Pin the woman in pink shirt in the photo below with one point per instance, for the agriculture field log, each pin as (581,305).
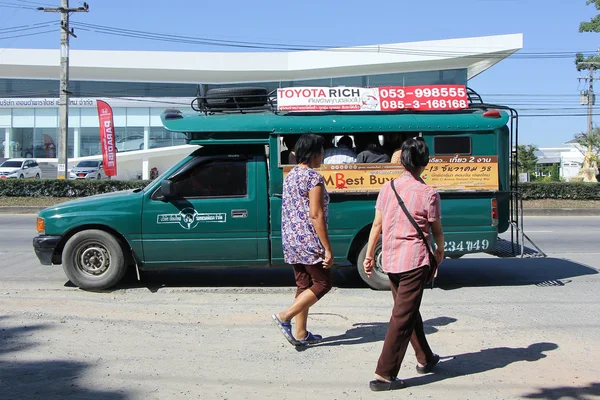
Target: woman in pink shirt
(406,261)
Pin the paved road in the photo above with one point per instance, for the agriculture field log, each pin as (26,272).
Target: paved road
(506,328)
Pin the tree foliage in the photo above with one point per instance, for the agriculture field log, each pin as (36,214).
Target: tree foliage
(593,25)
(526,158)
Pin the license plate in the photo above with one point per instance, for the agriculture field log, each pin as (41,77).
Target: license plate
(81,175)
(2,177)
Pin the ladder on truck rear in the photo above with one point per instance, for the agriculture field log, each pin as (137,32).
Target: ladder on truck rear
(519,245)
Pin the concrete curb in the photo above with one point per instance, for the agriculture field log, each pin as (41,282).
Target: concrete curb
(528,212)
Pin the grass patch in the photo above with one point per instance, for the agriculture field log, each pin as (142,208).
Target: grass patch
(32,201)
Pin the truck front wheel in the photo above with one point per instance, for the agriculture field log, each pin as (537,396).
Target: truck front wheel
(379,279)
(94,260)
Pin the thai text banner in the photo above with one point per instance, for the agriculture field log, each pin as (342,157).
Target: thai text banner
(448,173)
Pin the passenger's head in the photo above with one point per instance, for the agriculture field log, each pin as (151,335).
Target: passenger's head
(415,155)
(345,141)
(309,150)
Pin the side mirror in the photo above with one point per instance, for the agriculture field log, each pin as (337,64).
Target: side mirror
(167,189)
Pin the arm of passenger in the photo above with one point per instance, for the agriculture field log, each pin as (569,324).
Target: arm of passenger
(317,217)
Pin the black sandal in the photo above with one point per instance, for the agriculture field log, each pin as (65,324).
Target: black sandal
(380,386)
(427,368)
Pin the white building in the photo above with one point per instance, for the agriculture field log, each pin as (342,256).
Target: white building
(139,85)
(568,157)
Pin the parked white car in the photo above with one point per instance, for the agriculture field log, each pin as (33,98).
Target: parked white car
(89,169)
(20,168)
(130,143)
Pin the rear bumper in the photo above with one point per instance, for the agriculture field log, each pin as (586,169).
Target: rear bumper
(44,247)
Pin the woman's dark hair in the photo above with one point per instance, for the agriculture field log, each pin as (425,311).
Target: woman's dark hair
(308,146)
(415,154)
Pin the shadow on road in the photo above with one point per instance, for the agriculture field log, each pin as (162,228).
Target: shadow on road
(454,274)
(47,379)
(566,392)
(482,361)
(368,332)
(544,272)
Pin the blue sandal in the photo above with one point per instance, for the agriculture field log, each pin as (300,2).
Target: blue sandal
(311,339)
(286,330)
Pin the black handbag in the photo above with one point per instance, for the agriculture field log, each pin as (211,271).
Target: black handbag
(433,265)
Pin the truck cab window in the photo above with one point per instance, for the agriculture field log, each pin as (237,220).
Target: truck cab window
(221,178)
(452,145)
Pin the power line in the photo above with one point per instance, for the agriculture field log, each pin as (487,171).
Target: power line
(26,34)
(205,41)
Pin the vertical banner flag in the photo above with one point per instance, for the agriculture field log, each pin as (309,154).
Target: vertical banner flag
(107,138)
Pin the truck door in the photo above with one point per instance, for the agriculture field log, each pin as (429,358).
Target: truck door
(211,221)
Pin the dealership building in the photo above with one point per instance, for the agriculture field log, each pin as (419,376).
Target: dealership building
(140,85)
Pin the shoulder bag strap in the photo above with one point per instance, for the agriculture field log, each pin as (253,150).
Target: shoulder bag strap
(412,221)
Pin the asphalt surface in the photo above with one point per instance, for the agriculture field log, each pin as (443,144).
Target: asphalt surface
(505,328)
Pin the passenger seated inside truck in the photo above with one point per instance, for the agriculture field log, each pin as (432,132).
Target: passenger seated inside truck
(288,156)
(373,151)
(342,154)
(393,144)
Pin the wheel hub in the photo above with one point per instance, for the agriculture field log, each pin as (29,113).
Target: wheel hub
(94,259)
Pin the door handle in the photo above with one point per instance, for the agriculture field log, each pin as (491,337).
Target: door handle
(239,213)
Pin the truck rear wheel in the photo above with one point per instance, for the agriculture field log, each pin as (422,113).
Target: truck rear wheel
(379,279)
(94,260)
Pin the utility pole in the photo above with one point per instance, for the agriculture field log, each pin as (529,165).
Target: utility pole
(588,98)
(63,121)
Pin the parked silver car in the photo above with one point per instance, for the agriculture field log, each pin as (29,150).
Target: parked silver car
(89,169)
(20,168)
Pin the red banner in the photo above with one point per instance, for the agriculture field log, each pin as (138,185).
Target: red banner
(425,98)
(107,138)
(387,98)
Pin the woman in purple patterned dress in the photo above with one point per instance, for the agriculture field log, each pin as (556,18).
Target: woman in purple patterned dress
(304,236)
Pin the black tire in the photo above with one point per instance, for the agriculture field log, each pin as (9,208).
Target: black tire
(243,97)
(28,155)
(37,176)
(21,176)
(99,177)
(379,279)
(142,146)
(102,250)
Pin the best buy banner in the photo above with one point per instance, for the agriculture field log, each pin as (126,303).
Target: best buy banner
(444,173)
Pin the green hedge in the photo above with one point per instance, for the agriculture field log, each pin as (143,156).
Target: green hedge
(560,190)
(82,188)
(63,188)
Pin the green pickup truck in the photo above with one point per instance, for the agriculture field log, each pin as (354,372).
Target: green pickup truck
(221,205)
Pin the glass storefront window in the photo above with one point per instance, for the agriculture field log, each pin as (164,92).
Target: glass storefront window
(160,137)
(21,142)
(89,142)
(130,138)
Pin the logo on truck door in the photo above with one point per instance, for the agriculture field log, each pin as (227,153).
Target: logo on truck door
(189,218)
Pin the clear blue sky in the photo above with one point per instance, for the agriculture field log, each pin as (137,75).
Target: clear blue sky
(547,26)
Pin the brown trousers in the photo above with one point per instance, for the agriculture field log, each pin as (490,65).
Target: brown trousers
(406,324)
